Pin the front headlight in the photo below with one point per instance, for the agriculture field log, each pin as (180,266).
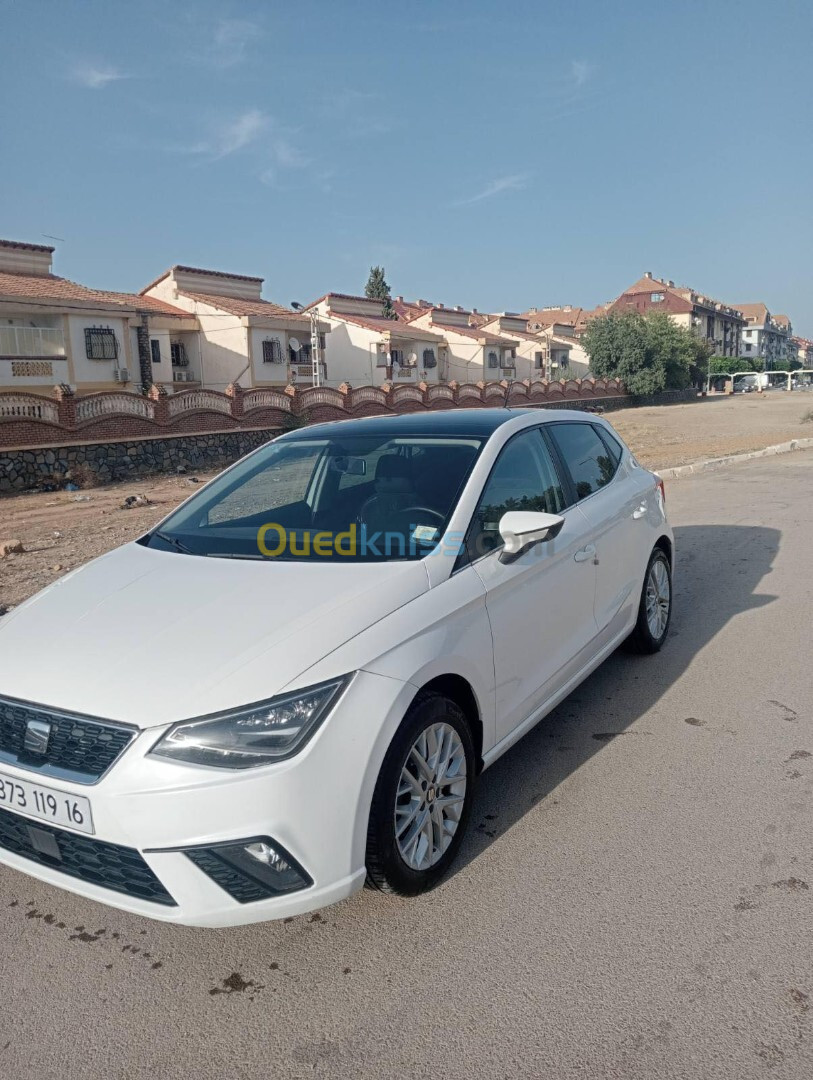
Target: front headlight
(256,735)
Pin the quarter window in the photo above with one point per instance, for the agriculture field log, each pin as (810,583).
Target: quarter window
(586,457)
(524,478)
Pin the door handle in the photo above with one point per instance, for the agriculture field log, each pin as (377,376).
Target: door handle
(640,512)
(585,553)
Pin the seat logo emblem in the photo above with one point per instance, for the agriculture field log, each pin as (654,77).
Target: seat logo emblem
(37,735)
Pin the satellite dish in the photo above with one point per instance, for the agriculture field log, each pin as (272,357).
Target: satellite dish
(413,359)
(295,344)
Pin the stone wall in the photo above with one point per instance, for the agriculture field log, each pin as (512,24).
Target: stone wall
(103,462)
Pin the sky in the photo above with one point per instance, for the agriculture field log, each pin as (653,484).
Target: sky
(496,155)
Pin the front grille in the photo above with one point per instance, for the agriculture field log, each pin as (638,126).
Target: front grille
(79,748)
(108,865)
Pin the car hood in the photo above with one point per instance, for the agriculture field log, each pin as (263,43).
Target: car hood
(149,637)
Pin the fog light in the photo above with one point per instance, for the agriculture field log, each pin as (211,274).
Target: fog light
(269,856)
(251,870)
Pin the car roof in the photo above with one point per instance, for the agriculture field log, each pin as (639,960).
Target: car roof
(474,421)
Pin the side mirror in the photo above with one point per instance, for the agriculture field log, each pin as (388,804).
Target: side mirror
(520,529)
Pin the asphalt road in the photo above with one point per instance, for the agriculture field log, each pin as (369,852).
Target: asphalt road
(635,899)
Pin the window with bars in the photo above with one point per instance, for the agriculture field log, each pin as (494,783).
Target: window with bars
(101,343)
(178,353)
(272,351)
(303,356)
(155,349)
(397,358)
(429,360)
(493,360)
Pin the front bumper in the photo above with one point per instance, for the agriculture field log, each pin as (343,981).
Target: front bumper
(315,805)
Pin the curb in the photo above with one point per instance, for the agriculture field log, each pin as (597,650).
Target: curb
(734,459)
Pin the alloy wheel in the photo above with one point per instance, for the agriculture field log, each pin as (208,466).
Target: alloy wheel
(658,598)
(430,796)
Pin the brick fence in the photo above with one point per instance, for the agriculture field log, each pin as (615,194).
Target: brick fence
(31,420)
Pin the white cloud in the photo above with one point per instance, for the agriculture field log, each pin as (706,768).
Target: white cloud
(581,71)
(516,182)
(96,76)
(232,136)
(284,155)
(288,156)
(230,41)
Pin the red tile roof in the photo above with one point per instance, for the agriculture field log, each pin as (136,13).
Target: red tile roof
(236,305)
(567,316)
(398,327)
(754,313)
(473,332)
(54,289)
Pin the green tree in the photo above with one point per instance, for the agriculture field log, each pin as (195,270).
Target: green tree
(727,365)
(378,289)
(647,353)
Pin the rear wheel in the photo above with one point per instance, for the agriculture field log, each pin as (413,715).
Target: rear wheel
(422,798)
(655,608)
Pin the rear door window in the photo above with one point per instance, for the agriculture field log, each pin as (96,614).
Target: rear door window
(586,458)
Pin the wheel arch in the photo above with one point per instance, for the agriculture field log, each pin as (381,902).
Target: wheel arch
(459,690)
(665,544)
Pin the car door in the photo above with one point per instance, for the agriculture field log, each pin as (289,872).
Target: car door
(540,605)
(611,502)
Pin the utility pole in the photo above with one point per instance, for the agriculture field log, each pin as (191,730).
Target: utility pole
(316,345)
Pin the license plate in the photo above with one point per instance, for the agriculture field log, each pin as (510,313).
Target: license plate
(46,804)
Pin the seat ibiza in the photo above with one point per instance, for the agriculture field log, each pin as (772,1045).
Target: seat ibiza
(289,686)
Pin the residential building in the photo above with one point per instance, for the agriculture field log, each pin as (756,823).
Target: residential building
(801,350)
(766,337)
(568,324)
(54,331)
(543,351)
(240,335)
(474,354)
(719,325)
(368,348)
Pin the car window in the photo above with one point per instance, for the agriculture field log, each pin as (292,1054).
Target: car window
(344,496)
(585,456)
(612,444)
(523,478)
(283,481)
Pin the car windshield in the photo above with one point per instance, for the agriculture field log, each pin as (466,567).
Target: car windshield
(347,497)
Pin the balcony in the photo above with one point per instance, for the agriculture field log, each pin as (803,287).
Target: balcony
(39,341)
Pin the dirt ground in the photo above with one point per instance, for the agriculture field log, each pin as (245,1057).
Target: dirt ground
(61,530)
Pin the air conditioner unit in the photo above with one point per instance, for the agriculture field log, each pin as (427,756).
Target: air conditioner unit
(121,375)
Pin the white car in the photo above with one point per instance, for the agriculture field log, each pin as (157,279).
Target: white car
(288,688)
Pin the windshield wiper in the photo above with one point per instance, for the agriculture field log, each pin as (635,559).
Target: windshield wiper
(230,555)
(175,542)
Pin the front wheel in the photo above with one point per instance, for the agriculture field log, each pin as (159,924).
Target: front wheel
(422,798)
(655,608)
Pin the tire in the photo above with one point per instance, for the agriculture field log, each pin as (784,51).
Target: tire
(651,630)
(400,805)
